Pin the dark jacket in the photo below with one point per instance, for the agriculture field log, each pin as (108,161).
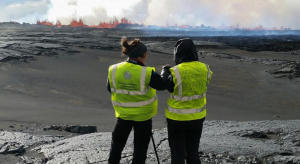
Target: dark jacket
(156,81)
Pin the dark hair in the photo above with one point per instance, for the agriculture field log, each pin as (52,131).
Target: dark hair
(126,48)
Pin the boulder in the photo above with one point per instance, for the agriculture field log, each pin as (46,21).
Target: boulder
(12,148)
(80,129)
(255,161)
(242,159)
(286,70)
(31,160)
(287,159)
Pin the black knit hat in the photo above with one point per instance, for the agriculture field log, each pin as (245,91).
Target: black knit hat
(185,51)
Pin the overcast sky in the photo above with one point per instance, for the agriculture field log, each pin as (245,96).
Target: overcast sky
(23,10)
(249,13)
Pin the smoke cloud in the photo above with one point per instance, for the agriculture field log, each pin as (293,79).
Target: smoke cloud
(92,12)
(269,13)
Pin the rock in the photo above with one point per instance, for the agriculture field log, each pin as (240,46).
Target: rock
(228,159)
(3,149)
(225,161)
(16,142)
(73,128)
(219,156)
(205,155)
(31,160)
(11,126)
(12,148)
(254,134)
(217,161)
(273,71)
(289,69)
(255,161)
(20,154)
(80,129)
(280,76)
(201,153)
(231,158)
(73,51)
(7,55)
(53,127)
(287,159)
(289,137)
(49,53)
(242,159)
(211,156)
(286,153)
(285,70)
(47,46)
(206,160)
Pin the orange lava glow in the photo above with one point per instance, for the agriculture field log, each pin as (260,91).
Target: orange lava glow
(115,22)
(74,23)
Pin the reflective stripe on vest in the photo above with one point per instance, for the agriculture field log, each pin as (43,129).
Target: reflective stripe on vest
(208,73)
(187,98)
(135,104)
(120,91)
(178,78)
(186,111)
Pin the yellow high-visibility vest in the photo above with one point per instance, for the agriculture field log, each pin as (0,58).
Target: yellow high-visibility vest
(131,95)
(188,101)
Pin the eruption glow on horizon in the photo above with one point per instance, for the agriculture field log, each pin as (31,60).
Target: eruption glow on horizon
(252,13)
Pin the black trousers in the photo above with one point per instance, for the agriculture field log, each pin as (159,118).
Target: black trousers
(142,135)
(184,139)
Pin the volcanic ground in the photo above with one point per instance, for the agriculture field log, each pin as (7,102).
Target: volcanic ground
(57,76)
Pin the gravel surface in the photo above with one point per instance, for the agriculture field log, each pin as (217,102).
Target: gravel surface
(222,141)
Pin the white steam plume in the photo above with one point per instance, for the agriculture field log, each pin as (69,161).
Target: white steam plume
(248,13)
(91,11)
(269,13)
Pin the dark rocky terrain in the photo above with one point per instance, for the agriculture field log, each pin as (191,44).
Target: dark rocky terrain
(25,45)
(47,41)
(53,78)
(222,142)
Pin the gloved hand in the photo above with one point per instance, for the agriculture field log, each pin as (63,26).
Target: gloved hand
(165,72)
(167,67)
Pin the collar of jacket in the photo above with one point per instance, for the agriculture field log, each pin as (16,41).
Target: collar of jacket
(135,61)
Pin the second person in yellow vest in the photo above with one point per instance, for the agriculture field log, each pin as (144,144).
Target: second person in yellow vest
(186,108)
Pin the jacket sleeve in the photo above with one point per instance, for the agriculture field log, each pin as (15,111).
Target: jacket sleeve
(170,84)
(167,76)
(108,86)
(157,82)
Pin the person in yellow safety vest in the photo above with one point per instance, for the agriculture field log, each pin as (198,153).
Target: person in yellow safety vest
(133,93)
(186,108)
